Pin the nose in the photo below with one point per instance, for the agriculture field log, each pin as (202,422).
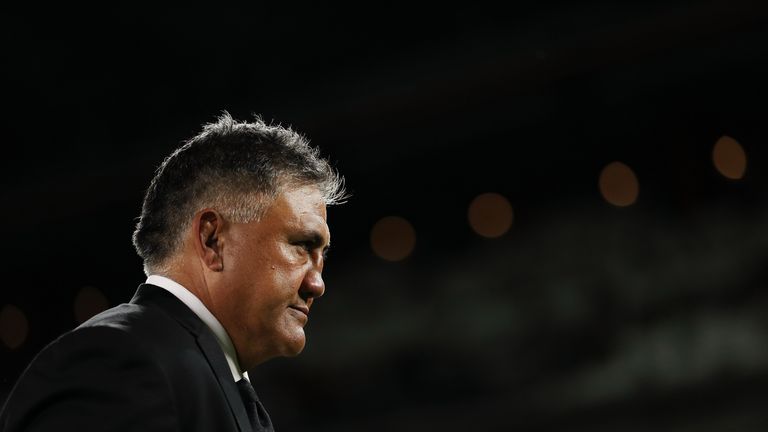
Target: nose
(313,285)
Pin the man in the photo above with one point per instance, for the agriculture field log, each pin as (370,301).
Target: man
(233,235)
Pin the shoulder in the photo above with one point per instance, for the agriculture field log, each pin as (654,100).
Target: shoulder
(132,318)
(93,372)
(148,326)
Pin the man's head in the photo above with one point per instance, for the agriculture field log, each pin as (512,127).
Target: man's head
(237,215)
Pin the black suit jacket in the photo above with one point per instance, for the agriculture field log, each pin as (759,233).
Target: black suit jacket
(148,365)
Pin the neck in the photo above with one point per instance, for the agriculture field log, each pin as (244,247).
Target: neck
(192,281)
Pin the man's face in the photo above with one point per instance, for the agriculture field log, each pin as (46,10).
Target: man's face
(271,275)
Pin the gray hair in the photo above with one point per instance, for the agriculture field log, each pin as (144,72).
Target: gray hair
(238,168)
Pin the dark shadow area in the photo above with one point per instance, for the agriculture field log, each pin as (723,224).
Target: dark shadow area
(583,316)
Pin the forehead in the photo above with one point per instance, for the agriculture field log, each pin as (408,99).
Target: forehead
(301,207)
(301,200)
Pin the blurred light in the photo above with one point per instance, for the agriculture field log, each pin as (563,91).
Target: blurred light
(618,184)
(490,215)
(89,302)
(393,238)
(13,326)
(729,158)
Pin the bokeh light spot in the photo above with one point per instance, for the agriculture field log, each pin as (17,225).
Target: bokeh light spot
(393,238)
(490,215)
(89,302)
(618,184)
(13,326)
(729,158)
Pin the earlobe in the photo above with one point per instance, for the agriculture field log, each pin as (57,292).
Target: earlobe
(209,244)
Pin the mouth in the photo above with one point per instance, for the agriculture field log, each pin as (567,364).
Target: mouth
(301,308)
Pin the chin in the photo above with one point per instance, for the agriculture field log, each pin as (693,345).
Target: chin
(294,345)
(295,350)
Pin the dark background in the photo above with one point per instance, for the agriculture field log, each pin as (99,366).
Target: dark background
(584,316)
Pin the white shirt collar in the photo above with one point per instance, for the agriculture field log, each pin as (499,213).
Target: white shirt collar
(206,316)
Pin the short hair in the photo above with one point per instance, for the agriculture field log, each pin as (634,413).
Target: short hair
(238,168)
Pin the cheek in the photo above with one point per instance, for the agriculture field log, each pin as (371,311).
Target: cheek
(288,266)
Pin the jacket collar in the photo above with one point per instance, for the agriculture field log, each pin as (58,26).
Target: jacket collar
(151,295)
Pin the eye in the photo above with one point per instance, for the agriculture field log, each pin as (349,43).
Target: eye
(311,245)
(306,246)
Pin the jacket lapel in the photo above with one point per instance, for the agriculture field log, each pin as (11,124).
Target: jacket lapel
(207,342)
(212,351)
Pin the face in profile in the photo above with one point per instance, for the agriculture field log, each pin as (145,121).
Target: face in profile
(271,275)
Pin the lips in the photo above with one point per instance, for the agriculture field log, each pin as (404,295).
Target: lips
(301,308)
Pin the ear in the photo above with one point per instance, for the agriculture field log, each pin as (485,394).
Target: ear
(208,225)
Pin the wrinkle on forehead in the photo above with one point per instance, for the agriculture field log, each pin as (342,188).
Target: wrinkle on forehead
(303,207)
(304,200)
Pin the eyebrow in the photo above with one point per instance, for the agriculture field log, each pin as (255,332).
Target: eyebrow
(317,239)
